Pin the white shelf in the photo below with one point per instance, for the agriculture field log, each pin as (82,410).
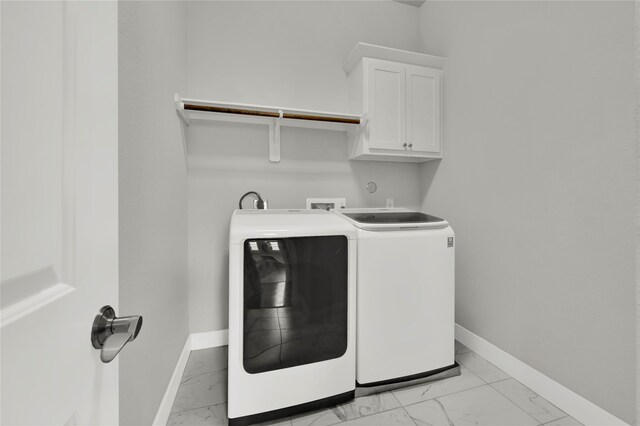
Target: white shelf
(190,110)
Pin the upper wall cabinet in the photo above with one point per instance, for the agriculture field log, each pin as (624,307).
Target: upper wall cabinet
(400,94)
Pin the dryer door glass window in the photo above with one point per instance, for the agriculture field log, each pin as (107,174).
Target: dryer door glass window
(295,301)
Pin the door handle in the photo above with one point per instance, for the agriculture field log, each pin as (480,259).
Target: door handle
(110,334)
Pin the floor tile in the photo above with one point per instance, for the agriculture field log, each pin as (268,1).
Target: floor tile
(215,415)
(532,403)
(565,421)
(365,406)
(205,361)
(460,348)
(465,380)
(388,418)
(481,367)
(460,400)
(429,413)
(478,406)
(201,391)
(317,418)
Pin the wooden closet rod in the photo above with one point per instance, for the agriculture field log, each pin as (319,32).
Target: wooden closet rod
(295,116)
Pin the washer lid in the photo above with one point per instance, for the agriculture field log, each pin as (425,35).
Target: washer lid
(379,219)
(393,217)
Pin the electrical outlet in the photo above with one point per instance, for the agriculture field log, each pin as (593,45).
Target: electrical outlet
(389,203)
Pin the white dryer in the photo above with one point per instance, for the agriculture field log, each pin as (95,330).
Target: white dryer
(292,283)
(405,308)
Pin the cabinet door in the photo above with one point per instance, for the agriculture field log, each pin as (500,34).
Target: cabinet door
(386,104)
(423,109)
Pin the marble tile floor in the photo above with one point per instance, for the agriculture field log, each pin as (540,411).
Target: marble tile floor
(481,395)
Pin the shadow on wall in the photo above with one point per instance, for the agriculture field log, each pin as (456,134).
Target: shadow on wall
(428,173)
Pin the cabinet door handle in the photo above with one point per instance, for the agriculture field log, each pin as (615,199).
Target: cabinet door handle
(404,145)
(410,145)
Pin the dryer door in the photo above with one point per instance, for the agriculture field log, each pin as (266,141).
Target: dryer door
(295,301)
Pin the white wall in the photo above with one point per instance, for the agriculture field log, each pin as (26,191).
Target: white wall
(153,201)
(539,183)
(289,54)
(638,212)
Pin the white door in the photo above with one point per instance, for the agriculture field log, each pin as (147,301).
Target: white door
(59,207)
(386,104)
(423,109)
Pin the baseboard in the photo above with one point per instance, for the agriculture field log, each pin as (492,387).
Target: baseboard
(209,339)
(194,342)
(164,410)
(568,401)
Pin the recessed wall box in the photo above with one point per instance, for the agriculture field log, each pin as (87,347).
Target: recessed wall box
(326,203)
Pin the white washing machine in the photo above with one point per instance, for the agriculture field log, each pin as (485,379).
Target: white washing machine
(405,312)
(292,312)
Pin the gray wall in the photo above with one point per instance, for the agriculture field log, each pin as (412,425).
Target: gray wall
(153,201)
(539,183)
(638,212)
(289,54)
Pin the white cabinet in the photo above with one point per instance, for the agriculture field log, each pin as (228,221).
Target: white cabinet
(386,108)
(402,103)
(424,110)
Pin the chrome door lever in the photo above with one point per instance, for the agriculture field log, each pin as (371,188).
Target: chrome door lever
(110,334)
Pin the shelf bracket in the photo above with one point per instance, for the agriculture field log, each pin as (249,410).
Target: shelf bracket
(180,110)
(274,138)
(362,127)
(184,122)
(364,121)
